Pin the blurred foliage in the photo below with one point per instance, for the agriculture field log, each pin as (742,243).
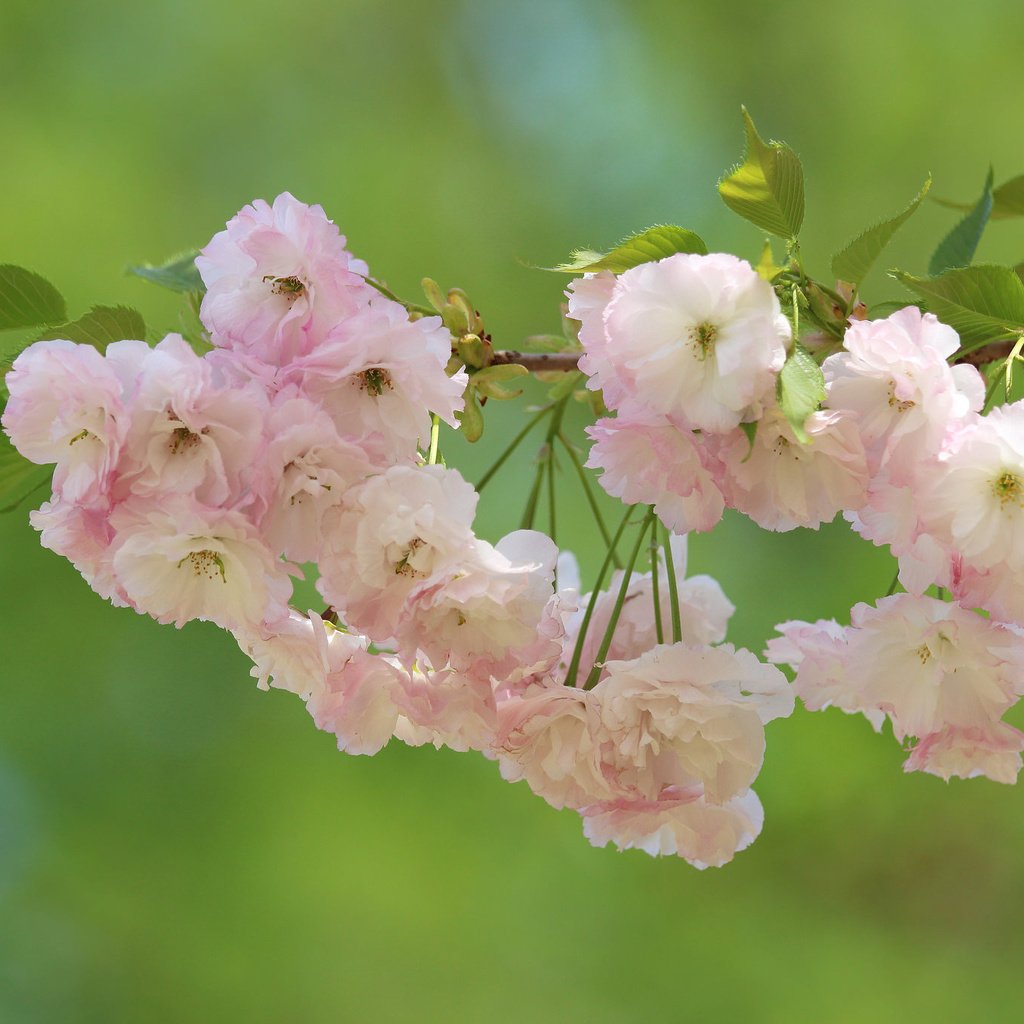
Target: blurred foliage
(175,845)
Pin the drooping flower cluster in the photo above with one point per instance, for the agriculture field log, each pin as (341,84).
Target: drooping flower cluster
(194,486)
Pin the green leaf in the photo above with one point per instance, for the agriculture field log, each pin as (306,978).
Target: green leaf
(982,303)
(768,187)
(28,300)
(179,273)
(19,478)
(547,343)
(766,265)
(653,244)
(958,247)
(801,389)
(99,327)
(1007,200)
(853,263)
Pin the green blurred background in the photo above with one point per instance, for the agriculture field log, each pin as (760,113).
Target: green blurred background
(176,846)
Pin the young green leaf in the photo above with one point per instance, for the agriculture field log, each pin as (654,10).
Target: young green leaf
(766,265)
(471,420)
(179,273)
(853,263)
(653,244)
(768,187)
(982,303)
(958,247)
(1007,200)
(28,300)
(801,389)
(99,327)
(18,477)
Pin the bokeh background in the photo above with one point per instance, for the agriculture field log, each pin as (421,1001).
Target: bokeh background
(177,846)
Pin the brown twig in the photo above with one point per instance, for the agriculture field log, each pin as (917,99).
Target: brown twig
(534,361)
(987,353)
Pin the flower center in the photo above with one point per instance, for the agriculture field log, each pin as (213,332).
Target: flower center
(290,287)
(81,436)
(1008,489)
(183,439)
(205,563)
(375,380)
(899,404)
(703,337)
(403,566)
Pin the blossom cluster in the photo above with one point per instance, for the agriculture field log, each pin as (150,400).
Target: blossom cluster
(687,352)
(193,486)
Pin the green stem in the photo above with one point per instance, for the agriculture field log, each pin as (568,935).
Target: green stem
(551,495)
(526,523)
(435,436)
(892,586)
(655,586)
(545,460)
(577,653)
(620,600)
(512,446)
(591,499)
(673,589)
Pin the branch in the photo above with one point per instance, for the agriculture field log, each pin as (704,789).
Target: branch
(534,361)
(987,353)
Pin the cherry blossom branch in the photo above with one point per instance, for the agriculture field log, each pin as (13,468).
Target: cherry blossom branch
(534,361)
(987,353)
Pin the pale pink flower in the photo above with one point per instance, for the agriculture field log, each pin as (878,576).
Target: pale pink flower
(548,735)
(446,708)
(926,664)
(679,822)
(588,298)
(993,751)
(305,469)
(390,533)
(894,378)
(298,652)
(782,483)
(82,534)
(189,434)
(680,714)
(178,560)
(998,589)
(978,499)
(278,278)
(479,612)
(380,375)
(66,407)
(360,702)
(649,460)
(699,338)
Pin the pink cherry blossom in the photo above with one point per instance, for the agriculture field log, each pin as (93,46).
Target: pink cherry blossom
(651,461)
(278,278)
(679,822)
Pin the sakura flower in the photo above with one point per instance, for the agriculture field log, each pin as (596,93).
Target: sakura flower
(993,751)
(380,375)
(978,501)
(488,605)
(699,338)
(679,822)
(188,434)
(178,560)
(66,407)
(447,708)
(305,469)
(649,460)
(278,278)
(390,533)
(894,378)
(782,483)
(679,715)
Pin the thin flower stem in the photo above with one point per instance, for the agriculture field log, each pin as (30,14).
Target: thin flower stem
(512,446)
(551,496)
(577,653)
(591,499)
(435,437)
(545,458)
(673,589)
(892,586)
(655,587)
(620,600)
